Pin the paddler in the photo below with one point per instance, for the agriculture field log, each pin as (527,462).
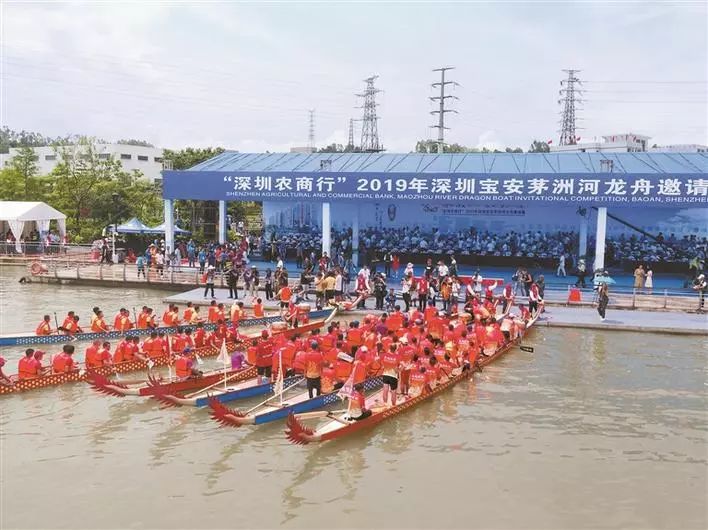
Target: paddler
(153,347)
(71,327)
(184,365)
(356,409)
(99,357)
(122,322)
(507,297)
(188,313)
(143,316)
(258,311)
(236,312)
(4,379)
(64,362)
(123,352)
(27,366)
(98,324)
(211,314)
(390,362)
(200,336)
(418,380)
(314,362)
(264,357)
(68,322)
(196,317)
(44,327)
(179,343)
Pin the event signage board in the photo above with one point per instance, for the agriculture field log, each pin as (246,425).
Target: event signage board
(596,188)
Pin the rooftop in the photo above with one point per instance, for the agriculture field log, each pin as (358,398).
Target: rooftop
(449,163)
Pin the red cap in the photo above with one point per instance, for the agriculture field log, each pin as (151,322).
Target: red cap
(264,334)
(38,354)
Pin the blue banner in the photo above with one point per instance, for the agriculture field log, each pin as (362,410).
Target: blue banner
(606,188)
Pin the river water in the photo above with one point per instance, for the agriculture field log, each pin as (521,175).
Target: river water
(592,430)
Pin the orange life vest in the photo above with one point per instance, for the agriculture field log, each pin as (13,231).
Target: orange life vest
(183,366)
(258,310)
(62,363)
(44,328)
(26,368)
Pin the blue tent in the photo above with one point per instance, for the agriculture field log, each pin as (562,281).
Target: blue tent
(134,226)
(161,230)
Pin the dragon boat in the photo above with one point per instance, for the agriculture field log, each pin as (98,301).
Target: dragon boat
(269,411)
(60,338)
(82,375)
(338,425)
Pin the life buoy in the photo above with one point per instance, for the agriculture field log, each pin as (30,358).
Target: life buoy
(37,268)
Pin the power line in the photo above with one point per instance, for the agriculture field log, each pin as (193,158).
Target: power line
(570,93)
(369,130)
(441,102)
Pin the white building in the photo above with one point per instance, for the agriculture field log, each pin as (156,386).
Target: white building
(147,160)
(614,143)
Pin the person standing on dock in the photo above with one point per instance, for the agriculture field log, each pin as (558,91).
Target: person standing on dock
(560,271)
(603,298)
(639,276)
(209,281)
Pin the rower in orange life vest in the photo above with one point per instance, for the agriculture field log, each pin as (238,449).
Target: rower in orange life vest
(28,367)
(258,311)
(188,313)
(98,324)
(145,318)
(4,379)
(184,365)
(200,336)
(418,380)
(153,346)
(44,327)
(64,363)
(122,322)
(98,354)
(236,313)
(213,315)
(356,409)
(314,362)
(170,317)
(68,322)
(72,327)
(179,340)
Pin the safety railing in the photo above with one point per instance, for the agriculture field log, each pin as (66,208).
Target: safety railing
(635,298)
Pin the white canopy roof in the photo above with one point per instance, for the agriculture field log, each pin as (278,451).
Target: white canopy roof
(17,213)
(28,211)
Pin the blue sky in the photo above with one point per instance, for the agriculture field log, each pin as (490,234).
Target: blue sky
(242,75)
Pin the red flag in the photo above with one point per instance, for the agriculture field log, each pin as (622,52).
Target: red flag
(549,142)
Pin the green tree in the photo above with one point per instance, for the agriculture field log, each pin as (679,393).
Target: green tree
(25,163)
(141,143)
(191,156)
(79,176)
(539,147)
(11,185)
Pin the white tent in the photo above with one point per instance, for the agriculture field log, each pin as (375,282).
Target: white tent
(17,214)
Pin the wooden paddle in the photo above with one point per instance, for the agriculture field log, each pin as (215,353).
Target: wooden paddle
(219,382)
(319,414)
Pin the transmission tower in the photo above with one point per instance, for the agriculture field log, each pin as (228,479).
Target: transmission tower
(311,136)
(570,93)
(350,143)
(369,129)
(441,101)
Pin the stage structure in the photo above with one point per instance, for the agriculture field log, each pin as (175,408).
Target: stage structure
(452,182)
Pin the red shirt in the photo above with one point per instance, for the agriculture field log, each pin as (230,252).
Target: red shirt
(390,362)
(200,338)
(313,364)
(264,354)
